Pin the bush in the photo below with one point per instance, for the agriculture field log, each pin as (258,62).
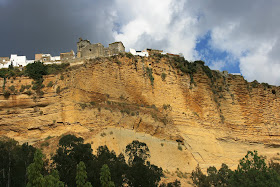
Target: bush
(163,76)
(58,90)
(180,147)
(149,71)
(56,68)
(27,86)
(22,88)
(28,92)
(251,171)
(12,88)
(129,55)
(36,70)
(7,94)
(50,84)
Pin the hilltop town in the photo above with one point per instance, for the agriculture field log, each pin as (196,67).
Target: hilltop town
(85,50)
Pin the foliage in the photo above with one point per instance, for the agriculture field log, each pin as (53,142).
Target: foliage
(70,152)
(53,180)
(74,163)
(81,176)
(255,84)
(176,183)
(36,70)
(35,178)
(137,150)
(12,88)
(10,72)
(141,172)
(14,161)
(163,76)
(7,94)
(149,71)
(58,90)
(129,55)
(56,68)
(105,177)
(22,88)
(252,171)
(50,84)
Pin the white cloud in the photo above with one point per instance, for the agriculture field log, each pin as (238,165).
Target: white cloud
(161,24)
(217,65)
(248,31)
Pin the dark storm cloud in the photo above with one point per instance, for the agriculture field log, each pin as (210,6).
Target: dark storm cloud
(53,26)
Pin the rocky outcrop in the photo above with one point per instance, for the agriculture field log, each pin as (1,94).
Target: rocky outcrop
(183,120)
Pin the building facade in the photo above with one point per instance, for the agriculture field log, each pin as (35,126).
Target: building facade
(86,49)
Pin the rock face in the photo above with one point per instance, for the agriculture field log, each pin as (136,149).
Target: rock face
(184,121)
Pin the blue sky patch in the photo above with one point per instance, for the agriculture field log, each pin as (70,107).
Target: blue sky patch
(215,57)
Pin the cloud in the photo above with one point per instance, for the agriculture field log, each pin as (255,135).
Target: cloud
(241,32)
(157,24)
(32,26)
(249,32)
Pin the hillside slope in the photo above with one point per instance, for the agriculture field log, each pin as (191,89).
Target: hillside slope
(203,116)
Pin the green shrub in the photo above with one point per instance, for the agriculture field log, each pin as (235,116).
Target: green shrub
(255,84)
(83,105)
(129,55)
(28,92)
(12,88)
(56,68)
(27,86)
(163,76)
(149,71)
(103,134)
(61,77)
(45,144)
(22,88)
(50,84)
(180,147)
(36,70)
(58,90)
(92,103)
(166,106)
(7,94)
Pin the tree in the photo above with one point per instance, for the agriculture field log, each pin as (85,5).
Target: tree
(141,172)
(137,151)
(52,180)
(35,178)
(36,70)
(199,179)
(14,160)
(71,150)
(105,177)
(253,171)
(81,176)
(176,183)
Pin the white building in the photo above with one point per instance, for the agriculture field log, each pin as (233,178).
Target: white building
(18,60)
(55,58)
(139,53)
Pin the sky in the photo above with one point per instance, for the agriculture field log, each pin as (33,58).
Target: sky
(241,36)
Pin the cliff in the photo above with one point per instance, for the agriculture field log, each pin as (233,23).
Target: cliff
(204,117)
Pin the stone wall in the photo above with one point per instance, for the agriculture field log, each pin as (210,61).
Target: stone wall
(93,50)
(4,59)
(86,49)
(64,57)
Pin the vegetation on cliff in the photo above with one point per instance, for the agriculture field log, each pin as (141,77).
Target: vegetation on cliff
(75,165)
(252,171)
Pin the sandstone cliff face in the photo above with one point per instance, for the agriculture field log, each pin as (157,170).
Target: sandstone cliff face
(113,101)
